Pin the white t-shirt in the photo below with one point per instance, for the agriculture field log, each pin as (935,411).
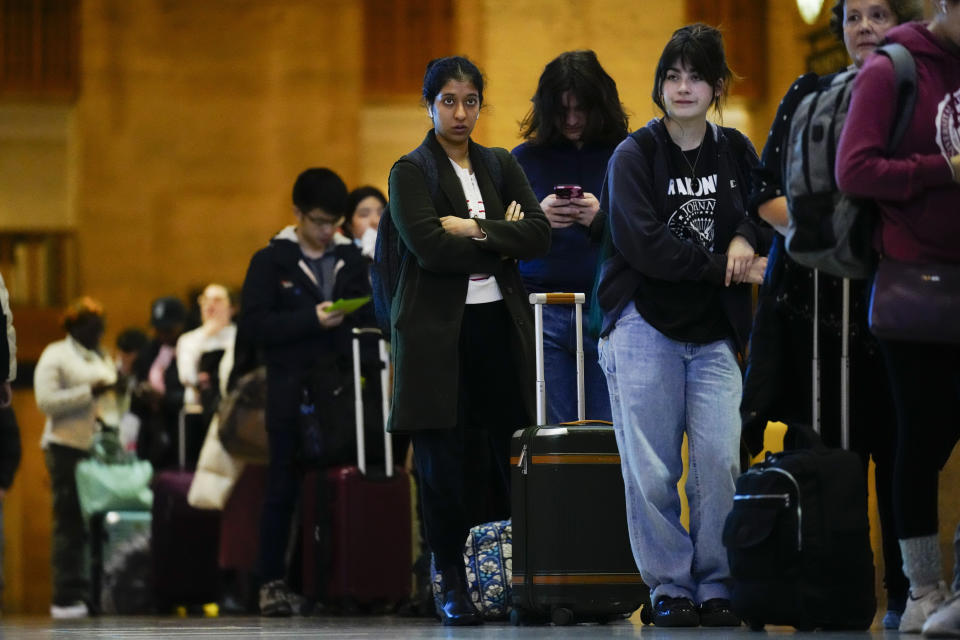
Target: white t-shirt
(482,287)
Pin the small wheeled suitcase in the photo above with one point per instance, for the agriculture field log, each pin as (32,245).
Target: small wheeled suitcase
(798,537)
(185,541)
(572,560)
(356,522)
(121,572)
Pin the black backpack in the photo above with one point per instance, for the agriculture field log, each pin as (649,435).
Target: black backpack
(390,253)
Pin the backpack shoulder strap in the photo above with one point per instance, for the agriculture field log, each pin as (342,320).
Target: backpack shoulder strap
(905,74)
(644,137)
(737,141)
(493,159)
(422,157)
(648,145)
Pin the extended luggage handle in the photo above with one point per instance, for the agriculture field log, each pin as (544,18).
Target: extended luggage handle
(384,401)
(816,415)
(538,300)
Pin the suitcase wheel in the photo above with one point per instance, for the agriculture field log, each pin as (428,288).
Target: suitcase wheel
(561,616)
(517,617)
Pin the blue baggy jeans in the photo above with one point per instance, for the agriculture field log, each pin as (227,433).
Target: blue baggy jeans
(560,368)
(659,390)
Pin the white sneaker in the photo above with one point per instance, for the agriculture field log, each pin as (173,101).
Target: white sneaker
(945,621)
(76,610)
(919,609)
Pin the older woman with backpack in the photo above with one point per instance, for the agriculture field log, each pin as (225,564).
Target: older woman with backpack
(778,386)
(917,190)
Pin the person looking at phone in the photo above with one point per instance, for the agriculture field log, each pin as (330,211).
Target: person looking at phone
(285,312)
(574,125)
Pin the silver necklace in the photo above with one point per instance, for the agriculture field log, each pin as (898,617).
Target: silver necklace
(693,167)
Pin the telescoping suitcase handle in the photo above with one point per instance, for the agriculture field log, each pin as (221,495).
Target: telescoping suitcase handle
(384,401)
(816,416)
(538,300)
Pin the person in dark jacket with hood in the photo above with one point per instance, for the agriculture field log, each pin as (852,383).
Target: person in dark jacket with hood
(285,311)
(676,300)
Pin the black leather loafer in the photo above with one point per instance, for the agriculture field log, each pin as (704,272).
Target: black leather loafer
(718,612)
(458,611)
(675,612)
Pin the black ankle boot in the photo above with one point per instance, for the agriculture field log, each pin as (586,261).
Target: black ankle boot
(457,609)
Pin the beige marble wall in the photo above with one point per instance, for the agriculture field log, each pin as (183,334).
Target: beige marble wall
(194,120)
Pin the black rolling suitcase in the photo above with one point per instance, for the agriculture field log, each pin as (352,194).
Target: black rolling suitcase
(121,568)
(356,522)
(572,560)
(798,537)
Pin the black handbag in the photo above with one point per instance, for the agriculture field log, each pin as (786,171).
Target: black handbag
(325,416)
(916,302)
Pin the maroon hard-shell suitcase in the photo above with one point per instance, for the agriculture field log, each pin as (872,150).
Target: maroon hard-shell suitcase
(240,520)
(184,542)
(356,525)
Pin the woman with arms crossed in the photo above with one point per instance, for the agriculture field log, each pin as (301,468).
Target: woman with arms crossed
(462,329)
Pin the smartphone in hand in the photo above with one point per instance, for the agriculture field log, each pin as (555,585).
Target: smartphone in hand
(568,191)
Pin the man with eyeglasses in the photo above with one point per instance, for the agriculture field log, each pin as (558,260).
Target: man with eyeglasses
(287,293)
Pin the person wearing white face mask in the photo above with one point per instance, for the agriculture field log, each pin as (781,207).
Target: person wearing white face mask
(365,205)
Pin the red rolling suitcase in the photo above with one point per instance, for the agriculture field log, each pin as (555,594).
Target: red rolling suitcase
(356,524)
(240,520)
(184,540)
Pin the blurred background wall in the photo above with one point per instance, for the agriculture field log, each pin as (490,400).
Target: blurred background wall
(148,146)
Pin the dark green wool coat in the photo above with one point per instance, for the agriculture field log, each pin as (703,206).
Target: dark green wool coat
(432,288)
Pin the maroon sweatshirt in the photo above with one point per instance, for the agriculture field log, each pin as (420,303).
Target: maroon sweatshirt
(919,200)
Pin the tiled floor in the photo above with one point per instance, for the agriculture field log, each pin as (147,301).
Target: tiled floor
(392,628)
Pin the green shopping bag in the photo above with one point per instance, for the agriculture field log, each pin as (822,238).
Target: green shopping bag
(113,479)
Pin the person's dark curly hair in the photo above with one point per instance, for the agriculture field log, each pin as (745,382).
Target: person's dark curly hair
(580,73)
(904,10)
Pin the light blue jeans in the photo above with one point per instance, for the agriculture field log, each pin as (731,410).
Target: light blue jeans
(560,368)
(659,390)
